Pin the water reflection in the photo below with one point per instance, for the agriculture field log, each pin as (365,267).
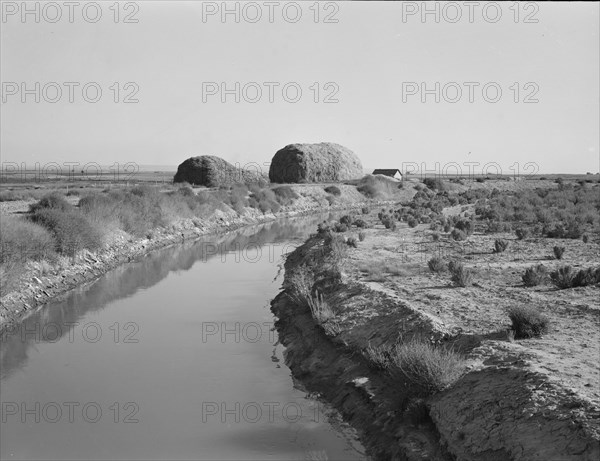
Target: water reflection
(161,365)
(58,319)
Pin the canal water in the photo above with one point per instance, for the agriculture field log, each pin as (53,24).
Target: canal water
(173,356)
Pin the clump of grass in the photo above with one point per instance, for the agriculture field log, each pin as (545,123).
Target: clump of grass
(264,199)
(360,223)
(52,200)
(435,184)
(374,187)
(458,235)
(558,251)
(527,322)
(389,222)
(435,237)
(452,265)
(522,233)
(461,276)
(586,277)
(465,225)
(336,249)
(365,210)
(432,368)
(373,271)
(333,190)
(412,222)
(238,197)
(573,231)
(346,219)
(285,195)
(186,191)
(320,308)
(565,277)
(72,231)
(436,264)
(21,239)
(9,196)
(301,289)
(323,227)
(500,245)
(301,282)
(351,242)
(340,227)
(534,275)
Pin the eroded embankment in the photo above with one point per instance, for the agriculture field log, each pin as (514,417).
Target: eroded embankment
(501,408)
(43,284)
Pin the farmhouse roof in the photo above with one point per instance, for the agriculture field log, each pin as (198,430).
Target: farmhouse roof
(387,172)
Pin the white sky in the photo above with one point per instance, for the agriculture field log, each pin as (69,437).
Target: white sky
(368,54)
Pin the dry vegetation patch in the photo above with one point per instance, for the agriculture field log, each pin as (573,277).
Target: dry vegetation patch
(507,281)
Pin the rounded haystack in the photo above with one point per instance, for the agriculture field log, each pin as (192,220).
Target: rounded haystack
(212,171)
(321,162)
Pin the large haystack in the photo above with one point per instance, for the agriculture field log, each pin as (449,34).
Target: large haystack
(314,163)
(211,171)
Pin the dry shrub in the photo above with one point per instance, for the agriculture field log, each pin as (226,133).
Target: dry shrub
(389,222)
(320,308)
(527,322)
(238,197)
(360,223)
(11,274)
(22,240)
(522,233)
(340,227)
(436,264)
(567,277)
(336,249)
(500,245)
(435,184)
(71,230)
(458,235)
(333,190)
(563,277)
(52,200)
(301,289)
(285,195)
(534,275)
(264,198)
(375,187)
(347,219)
(558,252)
(431,368)
(461,276)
